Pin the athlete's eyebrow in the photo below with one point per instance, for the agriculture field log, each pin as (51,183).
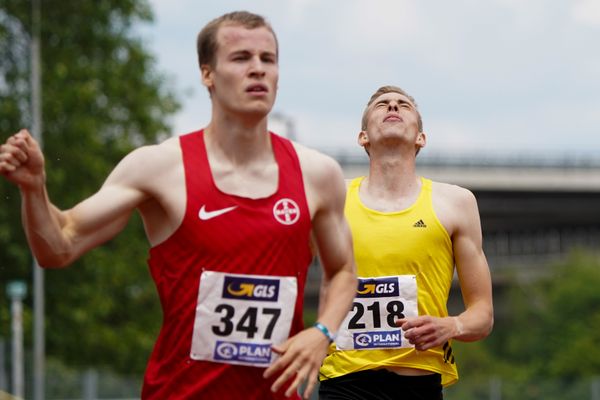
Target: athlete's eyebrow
(240,53)
(398,100)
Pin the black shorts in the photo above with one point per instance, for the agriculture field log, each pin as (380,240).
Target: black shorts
(381,384)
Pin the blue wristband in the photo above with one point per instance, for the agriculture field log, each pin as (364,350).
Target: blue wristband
(325,331)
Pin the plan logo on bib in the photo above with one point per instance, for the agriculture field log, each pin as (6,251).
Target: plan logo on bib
(243,352)
(286,211)
(380,339)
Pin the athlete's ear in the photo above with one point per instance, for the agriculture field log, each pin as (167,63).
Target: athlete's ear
(363,139)
(421,140)
(206,73)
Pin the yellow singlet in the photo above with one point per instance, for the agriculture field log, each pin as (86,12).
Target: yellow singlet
(408,242)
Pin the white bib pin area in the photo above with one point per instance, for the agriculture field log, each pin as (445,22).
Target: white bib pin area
(379,303)
(239,317)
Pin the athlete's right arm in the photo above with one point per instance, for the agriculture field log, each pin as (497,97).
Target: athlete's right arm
(58,237)
(303,354)
(324,286)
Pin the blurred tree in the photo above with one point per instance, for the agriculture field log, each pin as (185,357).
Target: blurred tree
(556,321)
(546,345)
(101,97)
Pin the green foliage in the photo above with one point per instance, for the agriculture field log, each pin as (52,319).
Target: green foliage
(101,97)
(546,344)
(561,313)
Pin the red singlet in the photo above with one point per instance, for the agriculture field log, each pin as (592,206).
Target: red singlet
(268,236)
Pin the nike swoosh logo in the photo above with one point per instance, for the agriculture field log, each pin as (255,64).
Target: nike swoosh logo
(206,215)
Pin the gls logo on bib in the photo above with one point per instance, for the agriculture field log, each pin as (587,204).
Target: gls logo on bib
(377,287)
(246,288)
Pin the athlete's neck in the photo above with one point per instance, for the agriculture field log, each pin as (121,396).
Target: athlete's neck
(241,159)
(392,176)
(238,141)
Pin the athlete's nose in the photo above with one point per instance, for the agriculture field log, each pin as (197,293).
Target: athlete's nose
(257,67)
(393,106)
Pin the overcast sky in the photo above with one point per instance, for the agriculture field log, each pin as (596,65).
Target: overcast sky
(492,78)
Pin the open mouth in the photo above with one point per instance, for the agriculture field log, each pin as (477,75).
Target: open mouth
(257,89)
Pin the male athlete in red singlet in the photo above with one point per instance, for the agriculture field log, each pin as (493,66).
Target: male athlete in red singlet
(229,212)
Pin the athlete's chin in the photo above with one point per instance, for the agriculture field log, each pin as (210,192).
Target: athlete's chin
(258,111)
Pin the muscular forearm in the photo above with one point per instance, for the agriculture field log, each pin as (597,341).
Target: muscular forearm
(336,298)
(473,324)
(43,224)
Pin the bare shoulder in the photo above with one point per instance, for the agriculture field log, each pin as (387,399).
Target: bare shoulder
(147,164)
(455,206)
(317,167)
(323,180)
(168,151)
(453,195)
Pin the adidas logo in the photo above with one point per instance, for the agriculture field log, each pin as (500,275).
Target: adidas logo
(420,224)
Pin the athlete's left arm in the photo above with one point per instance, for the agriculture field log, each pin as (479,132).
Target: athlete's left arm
(302,354)
(457,208)
(473,271)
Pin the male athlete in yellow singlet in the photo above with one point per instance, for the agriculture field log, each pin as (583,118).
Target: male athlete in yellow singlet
(409,234)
